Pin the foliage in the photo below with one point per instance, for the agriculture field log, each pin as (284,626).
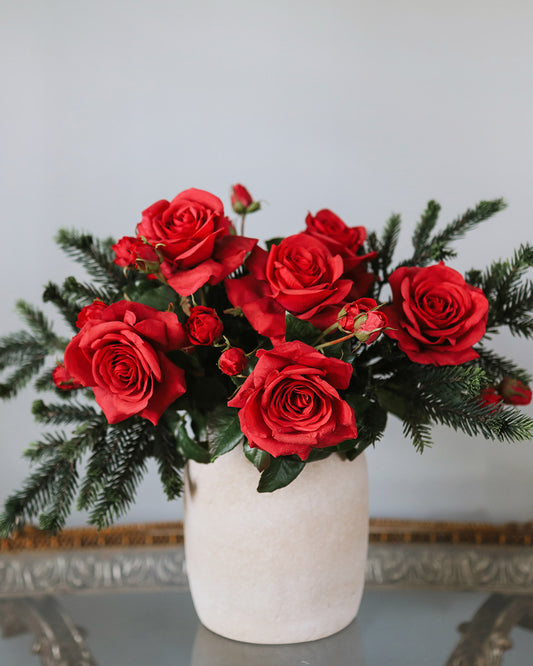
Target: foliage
(97,465)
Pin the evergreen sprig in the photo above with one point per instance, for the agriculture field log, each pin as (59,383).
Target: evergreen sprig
(436,248)
(95,255)
(384,248)
(509,294)
(497,367)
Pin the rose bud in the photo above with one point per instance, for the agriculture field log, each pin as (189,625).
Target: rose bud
(490,396)
(242,202)
(361,319)
(370,328)
(233,361)
(203,326)
(514,392)
(90,312)
(63,380)
(132,251)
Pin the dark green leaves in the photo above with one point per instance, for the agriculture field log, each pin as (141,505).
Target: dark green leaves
(260,459)
(298,329)
(189,447)
(279,473)
(223,430)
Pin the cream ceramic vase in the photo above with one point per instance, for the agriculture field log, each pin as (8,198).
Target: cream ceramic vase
(281,567)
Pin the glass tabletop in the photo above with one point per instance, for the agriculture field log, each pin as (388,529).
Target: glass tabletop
(132,628)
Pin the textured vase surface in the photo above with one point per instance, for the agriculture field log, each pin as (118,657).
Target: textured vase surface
(281,567)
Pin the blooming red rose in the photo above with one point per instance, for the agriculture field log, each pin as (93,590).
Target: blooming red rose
(203,326)
(435,316)
(122,356)
(348,243)
(90,312)
(233,361)
(300,275)
(242,201)
(63,380)
(194,237)
(290,404)
(130,251)
(361,318)
(514,392)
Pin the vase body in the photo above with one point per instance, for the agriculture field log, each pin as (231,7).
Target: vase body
(281,567)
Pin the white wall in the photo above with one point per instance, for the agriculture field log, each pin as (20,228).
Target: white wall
(363,107)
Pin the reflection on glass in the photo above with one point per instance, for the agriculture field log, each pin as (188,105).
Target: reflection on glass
(342,648)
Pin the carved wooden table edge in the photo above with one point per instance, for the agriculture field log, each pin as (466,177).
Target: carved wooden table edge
(414,554)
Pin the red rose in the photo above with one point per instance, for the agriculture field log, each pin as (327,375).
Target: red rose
(122,357)
(290,405)
(435,316)
(90,312)
(241,200)
(63,380)
(514,392)
(203,326)
(194,237)
(360,318)
(300,275)
(348,243)
(233,361)
(131,251)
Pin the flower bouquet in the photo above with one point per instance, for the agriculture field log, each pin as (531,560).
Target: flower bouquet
(194,341)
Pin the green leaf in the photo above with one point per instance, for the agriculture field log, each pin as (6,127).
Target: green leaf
(158,297)
(298,329)
(279,474)
(259,458)
(223,431)
(273,241)
(189,447)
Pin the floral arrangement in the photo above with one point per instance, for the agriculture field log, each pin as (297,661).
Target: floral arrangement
(193,340)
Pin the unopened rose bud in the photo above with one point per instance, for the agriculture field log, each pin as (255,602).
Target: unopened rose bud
(514,392)
(362,319)
(90,312)
(233,361)
(63,380)
(369,329)
(131,251)
(242,202)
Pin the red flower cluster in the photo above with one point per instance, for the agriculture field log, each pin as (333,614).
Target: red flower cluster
(290,402)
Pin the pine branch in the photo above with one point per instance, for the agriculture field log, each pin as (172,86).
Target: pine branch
(461,225)
(86,293)
(510,298)
(14,347)
(118,491)
(94,255)
(20,377)
(55,516)
(419,433)
(424,228)
(497,367)
(37,323)
(438,247)
(63,414)
(384,248)
(37,492)
(68,309)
